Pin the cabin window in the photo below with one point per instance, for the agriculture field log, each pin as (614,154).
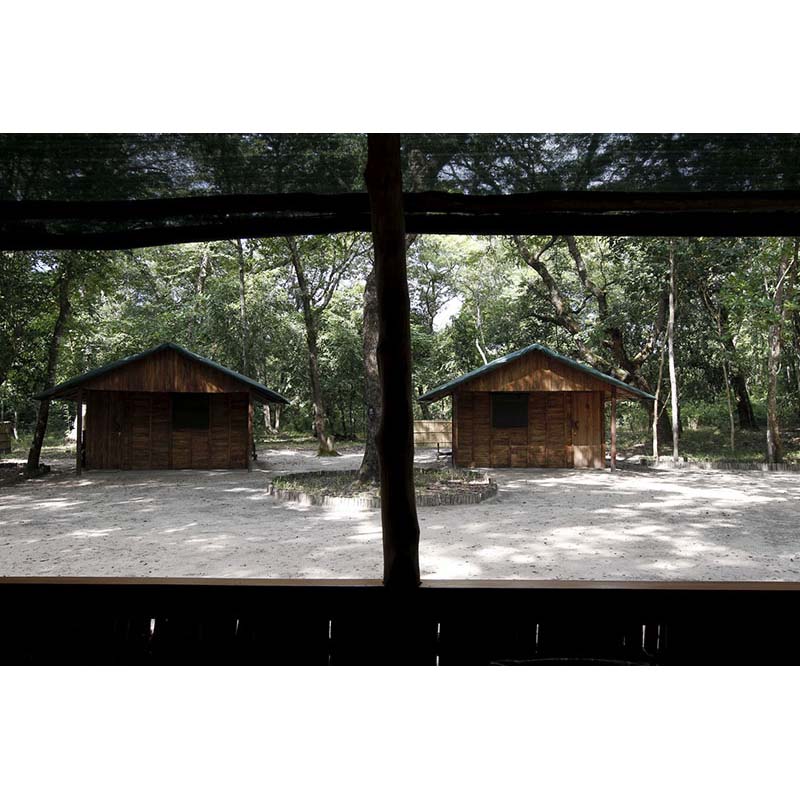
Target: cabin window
(190,411)
(509,410)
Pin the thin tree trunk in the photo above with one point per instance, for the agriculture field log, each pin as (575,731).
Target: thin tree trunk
(369,471)
(730,405)
(783,289)
(673,378)
(655,403)
(199,289)
(479,322)
(64,310)
(744,405)
(242,306)
(267,417)
(716,314)
(325,441)
(396,433)
(278,407)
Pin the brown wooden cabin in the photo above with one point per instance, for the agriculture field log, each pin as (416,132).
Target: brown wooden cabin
(531,408)
(165,408)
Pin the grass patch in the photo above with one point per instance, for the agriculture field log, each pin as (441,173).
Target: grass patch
(343,483)
(304,442)
(712,444)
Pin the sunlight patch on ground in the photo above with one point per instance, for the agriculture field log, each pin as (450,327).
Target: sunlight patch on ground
(90,533)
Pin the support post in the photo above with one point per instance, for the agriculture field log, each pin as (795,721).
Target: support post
(79,433)
(395,436)
(249,431)
(613,428)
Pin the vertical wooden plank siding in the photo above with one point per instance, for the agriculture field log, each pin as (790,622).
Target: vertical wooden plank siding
(78,432)
(565,429)
(249,431)
(133,430)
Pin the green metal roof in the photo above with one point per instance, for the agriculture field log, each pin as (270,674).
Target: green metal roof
(449,387)
(262,391)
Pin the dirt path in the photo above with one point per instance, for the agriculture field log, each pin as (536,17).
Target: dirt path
(543,524)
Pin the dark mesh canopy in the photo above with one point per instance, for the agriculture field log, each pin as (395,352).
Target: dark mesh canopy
(145,166)
(117,190)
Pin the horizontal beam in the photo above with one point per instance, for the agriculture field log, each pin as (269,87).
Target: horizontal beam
(722,224)
(128,224)
(414,202)
(432,584)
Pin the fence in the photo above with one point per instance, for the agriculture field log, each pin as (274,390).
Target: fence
(154,621)
(433,432)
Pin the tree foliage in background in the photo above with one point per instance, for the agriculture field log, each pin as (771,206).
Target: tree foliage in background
(599,299)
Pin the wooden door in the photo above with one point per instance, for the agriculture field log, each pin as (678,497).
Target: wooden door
(556,436)
(587,436)
(462,430)
(537,429)
(239,407)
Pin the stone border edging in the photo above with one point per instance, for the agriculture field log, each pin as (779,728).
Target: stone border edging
(332,501)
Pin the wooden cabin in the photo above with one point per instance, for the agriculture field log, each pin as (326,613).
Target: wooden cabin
(532,408)
(165,408)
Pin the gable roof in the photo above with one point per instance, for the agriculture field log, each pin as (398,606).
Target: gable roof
(449,387)
(65,388)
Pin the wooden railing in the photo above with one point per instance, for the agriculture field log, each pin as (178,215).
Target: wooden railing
(154,621)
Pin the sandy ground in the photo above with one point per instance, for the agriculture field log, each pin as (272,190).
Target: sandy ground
(635,524)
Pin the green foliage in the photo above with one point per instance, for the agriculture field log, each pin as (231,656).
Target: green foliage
(471,298)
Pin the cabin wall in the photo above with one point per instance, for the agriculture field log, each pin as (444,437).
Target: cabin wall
(565,429)
(133,430)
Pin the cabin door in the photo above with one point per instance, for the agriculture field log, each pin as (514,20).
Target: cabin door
(587,427)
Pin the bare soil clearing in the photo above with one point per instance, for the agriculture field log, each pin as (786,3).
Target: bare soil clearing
(549,523)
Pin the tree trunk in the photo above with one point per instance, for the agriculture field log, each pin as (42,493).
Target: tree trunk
(242,306)
(199,288)
(744,406)
(655,414)
(64,310)
(325,441)
(673,378)
(730,405)
(278,407)
(783,289)
(267,417)
(395,437)
(369,471)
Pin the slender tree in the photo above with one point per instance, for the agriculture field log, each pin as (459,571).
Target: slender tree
(673,376)
(319,265)
(369,471)
(786,269)
(62,285)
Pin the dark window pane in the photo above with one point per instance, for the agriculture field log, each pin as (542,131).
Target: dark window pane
(509,410)
(190,411)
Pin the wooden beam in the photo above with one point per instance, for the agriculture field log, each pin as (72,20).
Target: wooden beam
(78,432)
(121,225)
(613,428)
(596,201)
(395,437)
